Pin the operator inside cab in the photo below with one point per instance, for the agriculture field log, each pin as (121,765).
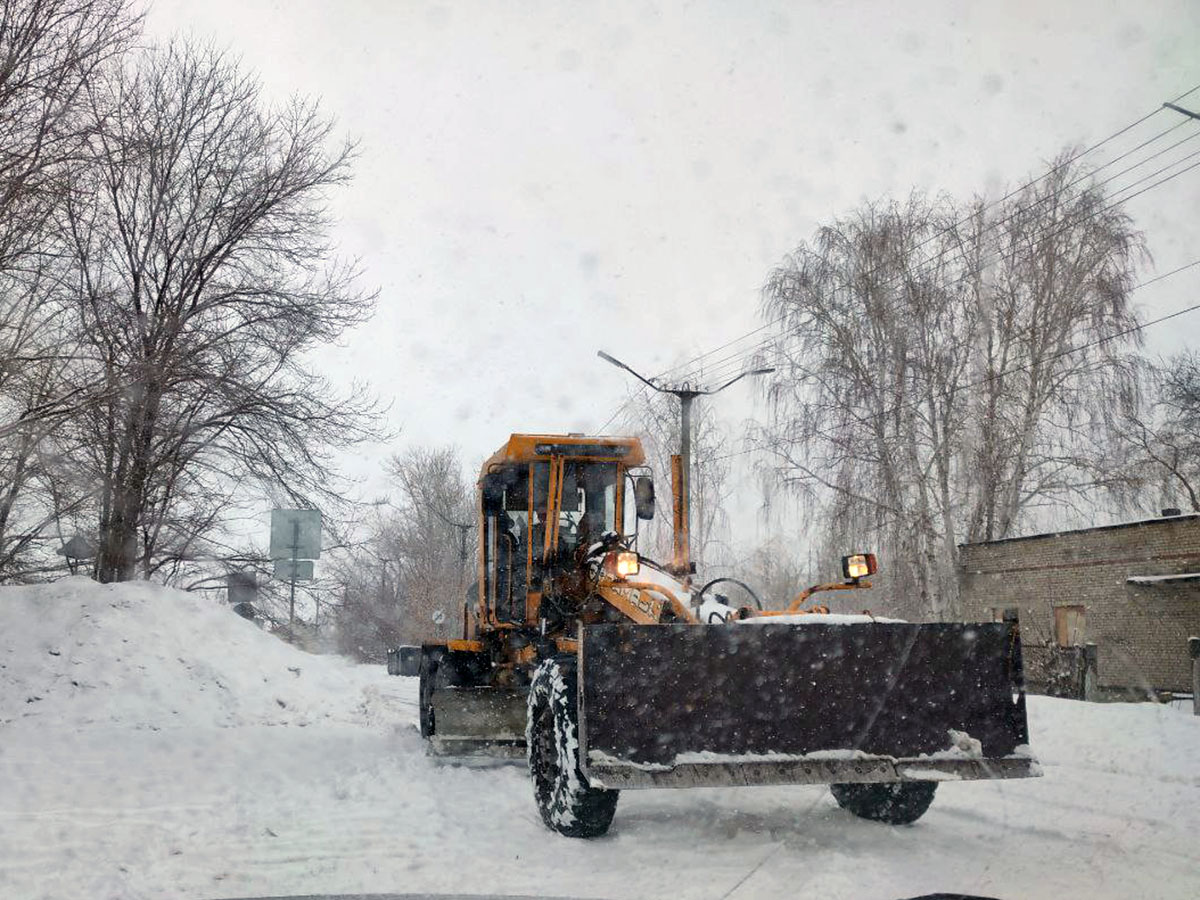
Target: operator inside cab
(589,505)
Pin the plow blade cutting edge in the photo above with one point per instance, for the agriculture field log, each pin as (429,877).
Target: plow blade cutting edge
(688,706)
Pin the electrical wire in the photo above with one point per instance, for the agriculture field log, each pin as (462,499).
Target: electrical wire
(1012,193)
(1141,326)
(1120,196)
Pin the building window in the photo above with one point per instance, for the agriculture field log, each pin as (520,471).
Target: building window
(1003,613)
(1069,622)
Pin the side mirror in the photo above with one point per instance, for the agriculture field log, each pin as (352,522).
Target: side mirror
(643,497)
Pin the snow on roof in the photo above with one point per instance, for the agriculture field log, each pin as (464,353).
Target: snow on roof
(1133,523)
(1159,579)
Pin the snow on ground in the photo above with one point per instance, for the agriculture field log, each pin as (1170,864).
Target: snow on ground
(80,654)
(818,619)
(153,745)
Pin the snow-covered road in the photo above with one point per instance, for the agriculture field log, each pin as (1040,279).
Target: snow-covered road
(197,791)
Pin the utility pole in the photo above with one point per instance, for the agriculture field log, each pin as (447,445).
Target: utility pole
(463,529)
(686,394)
(383,578)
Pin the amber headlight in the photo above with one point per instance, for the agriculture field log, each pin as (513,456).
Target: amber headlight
(860,565)
(627,563)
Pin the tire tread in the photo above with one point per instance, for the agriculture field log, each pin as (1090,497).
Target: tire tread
(567,802)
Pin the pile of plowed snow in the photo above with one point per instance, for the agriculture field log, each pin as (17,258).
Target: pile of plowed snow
(1138,740)
(135,762)
(141,655)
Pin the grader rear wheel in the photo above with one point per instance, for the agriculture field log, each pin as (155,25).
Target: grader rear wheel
(895,803)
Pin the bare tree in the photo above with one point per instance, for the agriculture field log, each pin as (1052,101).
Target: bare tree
(862,418)
(408,580)
(1048,385)
(775,571)
(943,374)
(203,272)
(369,613)
(50,50)
(431,537)
(1162,439)
(50,54)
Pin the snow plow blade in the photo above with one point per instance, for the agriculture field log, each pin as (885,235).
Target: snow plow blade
(693,706)
(485,722)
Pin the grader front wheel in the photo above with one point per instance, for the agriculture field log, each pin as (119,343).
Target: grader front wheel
(568,804)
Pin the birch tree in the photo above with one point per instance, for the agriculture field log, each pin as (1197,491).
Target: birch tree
(1054,269)
(1162,439)
(863,404)
(945,370)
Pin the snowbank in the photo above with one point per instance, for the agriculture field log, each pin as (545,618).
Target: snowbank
(145,754)
(1135,740)
(76,653)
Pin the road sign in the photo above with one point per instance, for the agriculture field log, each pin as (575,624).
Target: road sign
(242,587)
(294,569)
(78,548)
(295,534)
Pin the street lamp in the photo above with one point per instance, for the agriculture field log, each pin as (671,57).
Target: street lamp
(686,394)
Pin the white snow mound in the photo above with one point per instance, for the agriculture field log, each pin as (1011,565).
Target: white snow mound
(142,655)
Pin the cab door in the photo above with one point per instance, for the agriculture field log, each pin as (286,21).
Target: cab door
(505,538)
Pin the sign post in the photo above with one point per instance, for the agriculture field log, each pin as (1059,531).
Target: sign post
(295,542)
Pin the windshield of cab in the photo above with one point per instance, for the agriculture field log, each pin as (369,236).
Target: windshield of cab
(589,504)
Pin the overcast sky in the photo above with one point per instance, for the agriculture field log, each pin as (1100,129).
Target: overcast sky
(541,180)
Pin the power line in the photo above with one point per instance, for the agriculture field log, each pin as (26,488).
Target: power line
(1012,193)
(928,263)
(1008,196)
(1067,352)
(1120,196)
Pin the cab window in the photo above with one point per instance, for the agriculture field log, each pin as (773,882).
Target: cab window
(589,504)
(506,542)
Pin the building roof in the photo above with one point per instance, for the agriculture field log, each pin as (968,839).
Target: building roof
(1156,520)
(1160,579)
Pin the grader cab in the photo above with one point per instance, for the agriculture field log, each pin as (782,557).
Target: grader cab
(609,671)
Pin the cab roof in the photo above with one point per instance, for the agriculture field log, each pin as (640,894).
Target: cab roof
(524,448)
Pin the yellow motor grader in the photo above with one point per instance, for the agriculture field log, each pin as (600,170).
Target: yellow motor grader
(609,671)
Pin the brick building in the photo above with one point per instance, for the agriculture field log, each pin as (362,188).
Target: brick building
(1131,589)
